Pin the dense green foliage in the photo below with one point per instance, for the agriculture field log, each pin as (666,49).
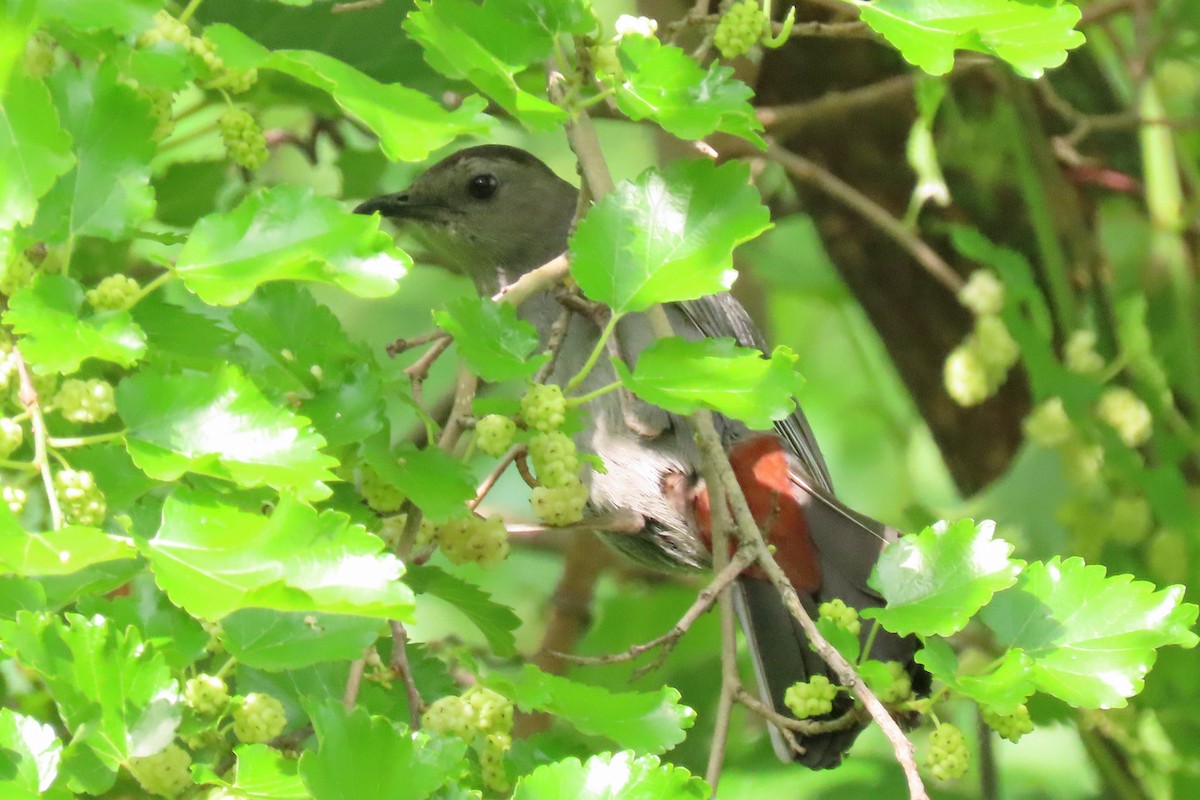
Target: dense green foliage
(241,549)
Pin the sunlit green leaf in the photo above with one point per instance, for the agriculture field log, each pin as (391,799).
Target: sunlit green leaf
(664,84)
(114,694)
(645,721)
(495,344)
(936,580)
(122,16)
(489,43)
(273,640)
(34,150)
(363,756)
(108,192)
(213,559)
(1004,686)
(435,481)
(667,235)
(260,773)
(1092,638)
(55,552)
(287,233)
(682,376)
(221,425)
(1032,36)
(409,124)
(59,334)
(610,776)
(29,755)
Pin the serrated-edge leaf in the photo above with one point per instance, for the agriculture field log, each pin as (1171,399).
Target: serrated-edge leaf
(936,580)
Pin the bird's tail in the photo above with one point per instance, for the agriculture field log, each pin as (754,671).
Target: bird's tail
(848,546)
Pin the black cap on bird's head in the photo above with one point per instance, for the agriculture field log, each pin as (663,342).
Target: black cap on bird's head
(490,211)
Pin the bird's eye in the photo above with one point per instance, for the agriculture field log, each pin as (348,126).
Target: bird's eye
(481,187)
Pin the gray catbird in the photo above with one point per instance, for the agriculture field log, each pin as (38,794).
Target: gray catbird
(496,212)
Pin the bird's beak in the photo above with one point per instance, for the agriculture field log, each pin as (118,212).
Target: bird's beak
(403,205)
(390,205)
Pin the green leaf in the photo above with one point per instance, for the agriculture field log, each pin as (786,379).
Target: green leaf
(272,640)
(34,150)
(181,639)
(1092,638)
(488,44)
(364,756)
(108,192)
(409,124)
(667,236)
(643,721)
(295,343)
(260,773)
(180,337)
(611,776)
(497,622)
(299,348)
(114,694)
(121,16)
(58,552)
(288,233)
(29,755)
(220,425)
(682,376)
(665,85)
(59,335)
(435,481)
(495,344)
(936,580)
(1006,685)
(212,559)
(1031,36)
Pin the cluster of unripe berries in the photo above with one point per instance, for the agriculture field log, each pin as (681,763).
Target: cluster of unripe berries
(947,756)
(975,370)
(114,293)
(167,29)
(220,76)
(85,401)
(473,539)
(561,496)
(742,27)
(81,500)
(256,718)
(1010,726)
(244,140)
(482,718)
(840,614)
(811,698)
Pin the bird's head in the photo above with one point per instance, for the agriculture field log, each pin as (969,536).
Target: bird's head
(493,212)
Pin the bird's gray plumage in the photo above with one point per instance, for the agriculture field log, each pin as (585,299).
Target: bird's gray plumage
(524,223)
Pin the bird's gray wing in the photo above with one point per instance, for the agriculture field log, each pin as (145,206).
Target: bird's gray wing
(721,315)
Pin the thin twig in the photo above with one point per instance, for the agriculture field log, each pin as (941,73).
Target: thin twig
(356,5)
(558,332)
(400,666)
(514,452)
(667,641)
(749,536)
(730,681)
(811,173)
(41,459)
(400,345)
(354,682)
(418,371)
(806,727)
